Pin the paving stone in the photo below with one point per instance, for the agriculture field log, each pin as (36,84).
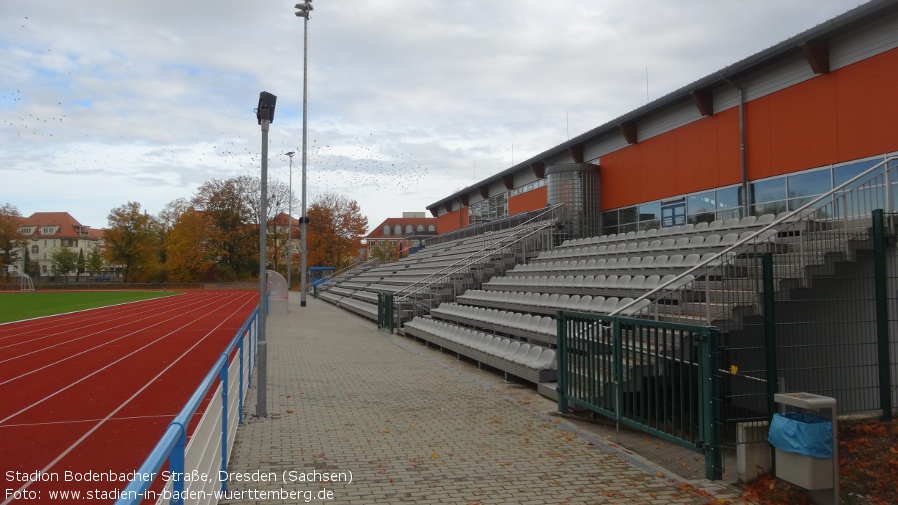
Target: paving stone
(404,423)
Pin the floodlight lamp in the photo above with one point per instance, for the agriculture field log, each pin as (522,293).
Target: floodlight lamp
(302,10)
(266,102)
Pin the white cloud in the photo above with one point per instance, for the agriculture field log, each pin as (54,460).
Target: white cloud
(104,102)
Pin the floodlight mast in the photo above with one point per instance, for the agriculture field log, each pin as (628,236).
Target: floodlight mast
(265,115)
(303,10)
(290,224)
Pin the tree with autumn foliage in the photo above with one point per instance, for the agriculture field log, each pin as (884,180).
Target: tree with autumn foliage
(236,240)
(132,241)
(335,230)
(190,246)
(12,243)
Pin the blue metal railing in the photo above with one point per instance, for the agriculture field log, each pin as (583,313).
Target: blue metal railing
(173,444)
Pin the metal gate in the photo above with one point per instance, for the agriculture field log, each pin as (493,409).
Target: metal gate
(661,378)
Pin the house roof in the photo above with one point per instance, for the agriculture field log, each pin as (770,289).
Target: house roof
(68,226)
(283,219)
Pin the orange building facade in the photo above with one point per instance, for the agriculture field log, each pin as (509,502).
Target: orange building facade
(762,135)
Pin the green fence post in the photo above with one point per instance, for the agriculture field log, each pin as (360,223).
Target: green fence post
(388,312)
(617,368)
(710,402)
(380,310)
(561,333)
(882,314)
(770,341)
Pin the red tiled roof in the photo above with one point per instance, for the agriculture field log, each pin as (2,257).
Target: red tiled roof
(69,227)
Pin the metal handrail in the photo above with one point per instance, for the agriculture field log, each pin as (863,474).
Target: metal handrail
(464,262)
(347,270)
(172,444)
(753,236)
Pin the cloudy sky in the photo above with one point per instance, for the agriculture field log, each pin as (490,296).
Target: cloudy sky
(103,102)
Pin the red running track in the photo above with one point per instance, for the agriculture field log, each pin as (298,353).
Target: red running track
(93,391)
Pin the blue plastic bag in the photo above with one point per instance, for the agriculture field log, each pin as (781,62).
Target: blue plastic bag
(802,434)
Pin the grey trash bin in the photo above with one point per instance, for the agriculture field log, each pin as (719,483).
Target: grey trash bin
(806,444)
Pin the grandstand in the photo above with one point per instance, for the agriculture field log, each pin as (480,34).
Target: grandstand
(676,267)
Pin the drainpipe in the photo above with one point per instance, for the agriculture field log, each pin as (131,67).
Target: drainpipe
(745,195)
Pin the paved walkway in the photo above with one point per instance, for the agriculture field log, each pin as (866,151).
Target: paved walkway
(371,417)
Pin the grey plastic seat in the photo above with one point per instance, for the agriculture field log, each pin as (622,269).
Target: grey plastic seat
(531,356)
(731,223)
(511,349)
(765,219)
(546,360)
(522,352)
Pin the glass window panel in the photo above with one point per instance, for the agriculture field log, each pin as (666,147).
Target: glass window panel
(704,217)
(609,218)
(769,191)
(650,225)
(810,183)
(700,203)
(727,198)
(769,208)
(628,215)
(650,211)
(847,172)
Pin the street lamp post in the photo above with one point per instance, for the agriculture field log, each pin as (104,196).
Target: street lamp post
(290,223)
(265,115)
(303,10)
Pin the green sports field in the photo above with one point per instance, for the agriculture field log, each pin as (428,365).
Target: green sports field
(17,306)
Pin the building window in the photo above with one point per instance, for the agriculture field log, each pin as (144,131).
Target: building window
(431,228)
(494,207)
(420,228)
(386,230)
(397,230)
(35,249)
(408,229)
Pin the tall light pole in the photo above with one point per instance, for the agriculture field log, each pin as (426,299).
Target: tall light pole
(303,10)
(290,224)
(265,115)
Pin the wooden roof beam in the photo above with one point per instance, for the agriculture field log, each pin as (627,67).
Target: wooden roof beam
(817,54)
(539,169)
(628,129)
(508,180)
(704,101)
(576,153)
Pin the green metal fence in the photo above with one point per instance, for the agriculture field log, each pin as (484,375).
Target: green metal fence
(385,311)
(661,378)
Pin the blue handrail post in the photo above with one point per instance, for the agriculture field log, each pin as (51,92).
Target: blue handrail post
(176,464)
(223,375)
(240,385)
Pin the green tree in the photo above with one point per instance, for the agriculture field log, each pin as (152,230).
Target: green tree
(234,237)
(384,251)
(11,241)
(65,260)
(94,264)
(131,241)
(80,264)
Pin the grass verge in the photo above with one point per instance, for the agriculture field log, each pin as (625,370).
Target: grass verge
(18,306)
